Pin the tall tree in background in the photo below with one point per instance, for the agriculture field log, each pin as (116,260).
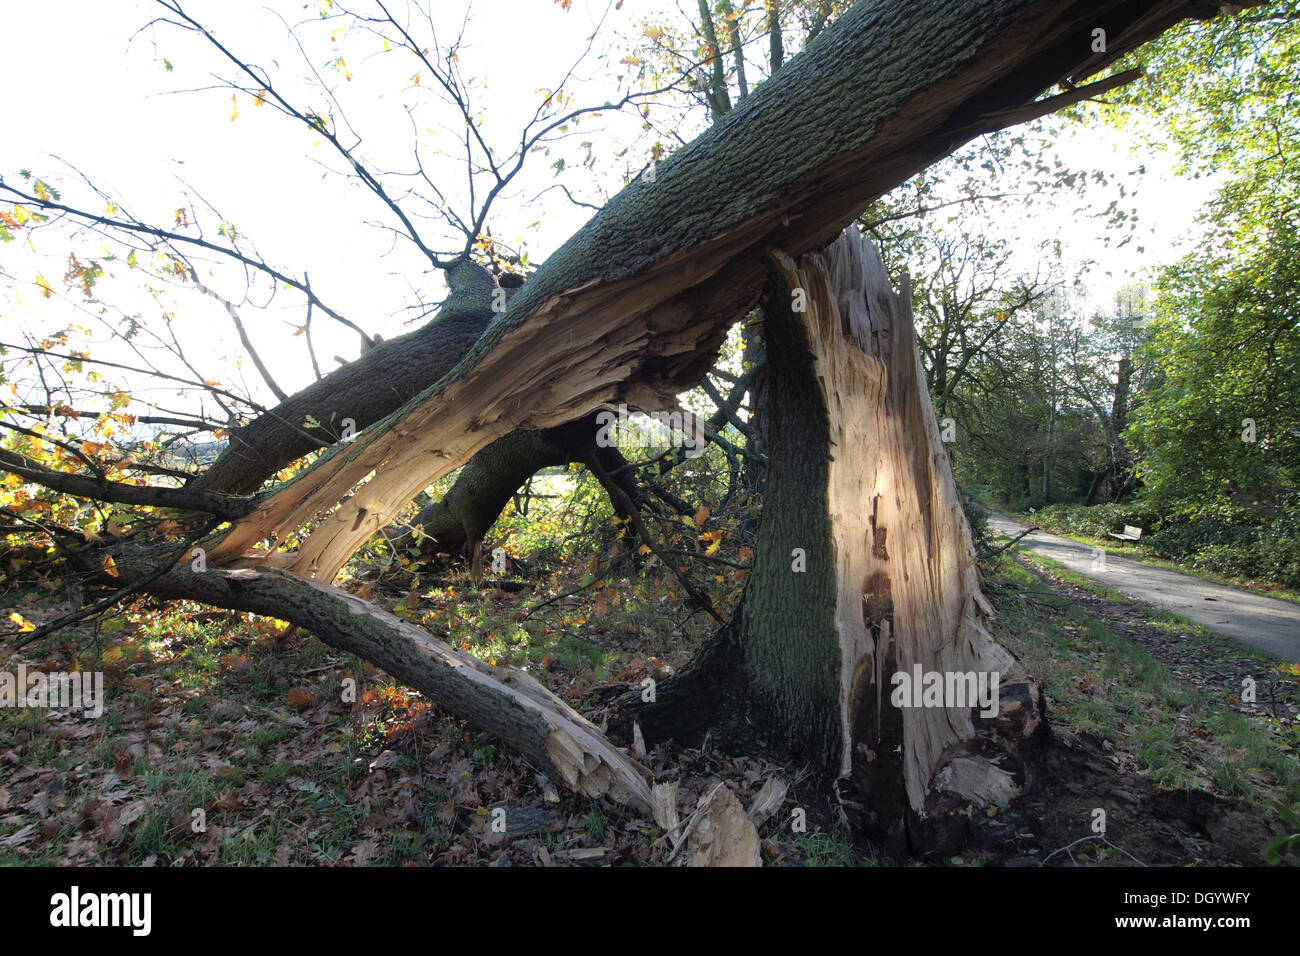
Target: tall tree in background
(1221,421)
(1223,418)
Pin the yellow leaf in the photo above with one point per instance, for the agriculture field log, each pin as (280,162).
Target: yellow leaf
(24,625)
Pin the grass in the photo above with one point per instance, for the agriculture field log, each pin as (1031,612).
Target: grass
(201,716)
(1157,617)
(1096,681)
(824,849)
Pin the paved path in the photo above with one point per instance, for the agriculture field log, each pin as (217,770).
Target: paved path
(1264,623)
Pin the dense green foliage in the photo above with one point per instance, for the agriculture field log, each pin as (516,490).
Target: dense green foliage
(1225,539)
(1223,419)
(1183,403)
(1220,422)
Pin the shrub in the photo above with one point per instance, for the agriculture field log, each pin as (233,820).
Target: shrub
(1095,521)
(1222,538)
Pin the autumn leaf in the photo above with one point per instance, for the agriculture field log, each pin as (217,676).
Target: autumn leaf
(701,516)
(229,802)
(24,625)
(299,698)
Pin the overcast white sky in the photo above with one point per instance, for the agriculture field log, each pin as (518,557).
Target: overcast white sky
(75,84)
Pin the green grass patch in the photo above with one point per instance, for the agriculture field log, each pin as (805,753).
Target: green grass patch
(1095,680)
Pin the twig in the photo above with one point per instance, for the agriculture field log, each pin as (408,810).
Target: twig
(1092,836)
(700,599)
(994,554)
(120,593)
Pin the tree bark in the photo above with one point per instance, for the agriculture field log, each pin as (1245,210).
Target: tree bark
(865,567)
(634,306)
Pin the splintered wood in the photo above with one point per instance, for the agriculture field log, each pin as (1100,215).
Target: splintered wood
(907,585)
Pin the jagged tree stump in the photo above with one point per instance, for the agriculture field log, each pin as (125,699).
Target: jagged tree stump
(865,567)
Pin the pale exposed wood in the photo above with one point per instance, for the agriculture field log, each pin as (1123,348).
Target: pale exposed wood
(664,798)
(767,801)
(905,564)
(722,834)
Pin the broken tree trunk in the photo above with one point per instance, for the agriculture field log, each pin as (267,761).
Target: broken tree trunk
(505,702)
(633,308)
(865,574)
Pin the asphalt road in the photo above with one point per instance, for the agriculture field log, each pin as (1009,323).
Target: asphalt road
(1264,623)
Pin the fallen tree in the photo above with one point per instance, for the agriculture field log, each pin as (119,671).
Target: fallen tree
(634,306)
(864,569)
